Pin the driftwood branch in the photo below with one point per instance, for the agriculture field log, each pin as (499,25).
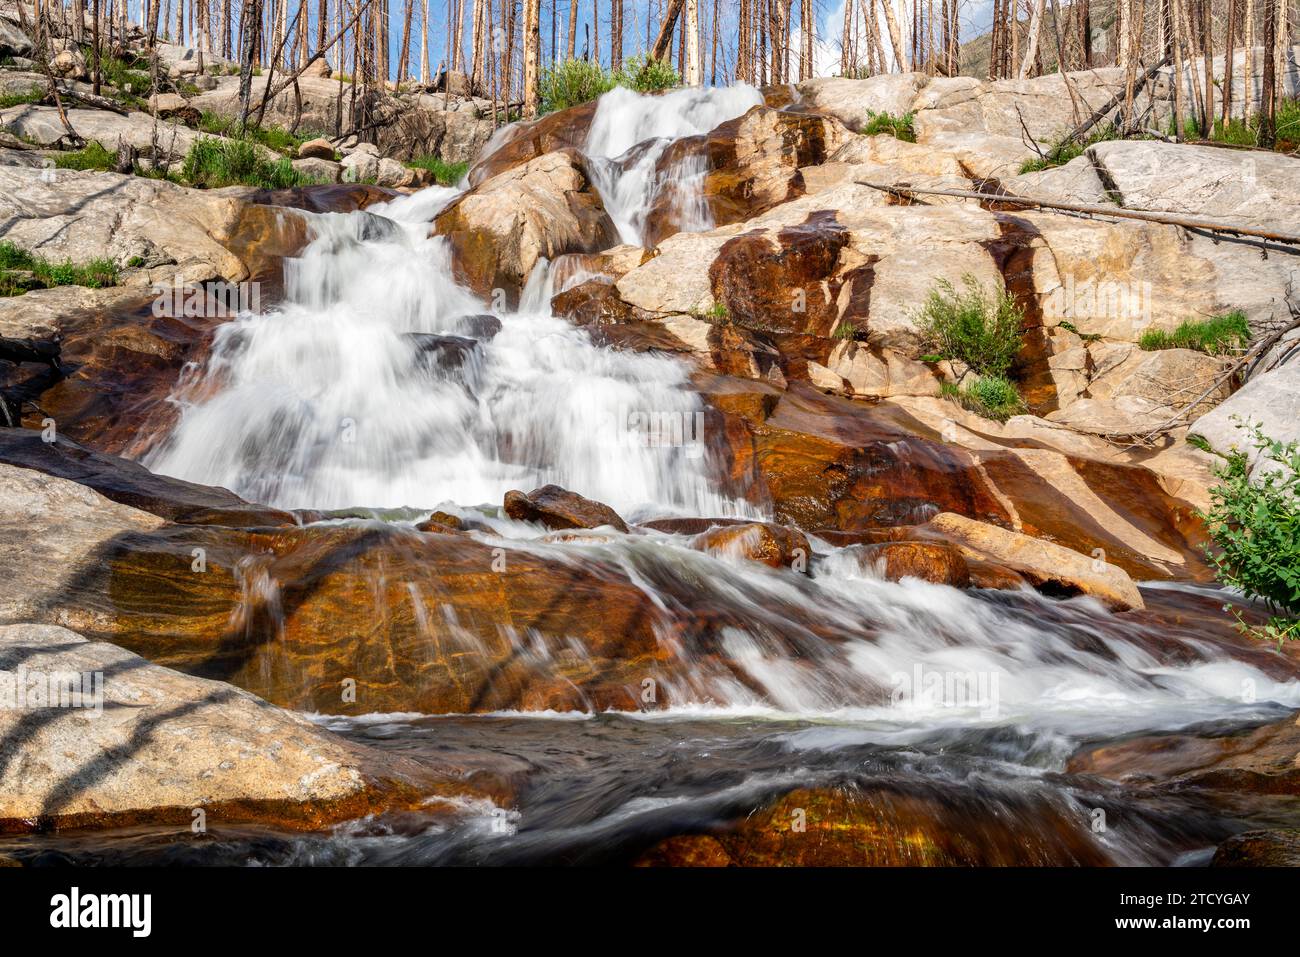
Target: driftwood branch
(1089,209)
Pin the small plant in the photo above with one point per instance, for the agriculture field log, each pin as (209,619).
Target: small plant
(1085,336)
(973,327)
(718,312)
(1061,153)
(647,75)
(272,137)
(93,156)
(212,163)
(991,396)
(899,127)
(446,174)
(572,82)
(21,270)
(33,95)
(1216,336)
(1255,528)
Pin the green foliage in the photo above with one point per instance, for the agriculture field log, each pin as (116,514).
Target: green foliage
(899,127)
(272,137)
(572,82)
(1062,152)
(92,156)
(646,75)
(213,163)
(1215,336)
(1255,528)
(992,397)
(972,326)
(15,262)
(34,95)
(1237,132)
(1085,336)
(446,174)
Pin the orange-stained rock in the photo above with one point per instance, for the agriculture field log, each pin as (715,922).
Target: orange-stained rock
(558,508)
(1276,848)
(1265,760)
(523,142)
(753,164)
(773,545)
(935,562)
(885,827)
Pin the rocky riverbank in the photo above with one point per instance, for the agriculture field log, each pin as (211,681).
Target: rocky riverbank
(850,516)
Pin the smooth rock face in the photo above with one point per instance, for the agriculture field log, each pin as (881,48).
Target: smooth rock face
(558,508)
(1271,401)
(148,744)
(1043,563)
(319,148)
(935,562)
(503,226)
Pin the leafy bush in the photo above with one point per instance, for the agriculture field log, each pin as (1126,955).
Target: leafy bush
(992,397)
(1215,336)
(899,127)
(571,83)
(1255,527)
(92,156)
(96,273)
(213,163)
(973,327)
(646,75)
(447,174)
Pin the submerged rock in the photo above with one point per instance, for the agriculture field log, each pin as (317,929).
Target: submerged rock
(935,562)
(772,545)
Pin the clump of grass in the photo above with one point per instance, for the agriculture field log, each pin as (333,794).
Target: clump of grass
(212,163)
(1215,336)
(1237,132)
(973,326)
(899,127)
(644,74)
(446,174)
(992,397)
(93,156)
(1061,153)
(572,82)
(43,273)
(272,137)
(33,95)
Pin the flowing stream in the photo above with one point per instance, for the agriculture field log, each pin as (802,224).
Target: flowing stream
(381,384)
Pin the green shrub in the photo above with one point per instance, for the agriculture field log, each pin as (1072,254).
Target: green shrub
(646,75)
(1255,528)
(14,261)
(992,397)
(272,137)
(1215,336)
(899,127)
(1237,132)
(572,82)
(212,163)
(92,156)
(973,327)
(447,174)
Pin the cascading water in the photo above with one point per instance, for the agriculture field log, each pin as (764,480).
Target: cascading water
(380,383)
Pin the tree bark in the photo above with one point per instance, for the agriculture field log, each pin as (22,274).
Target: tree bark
(895,36)
(532,42)
(1031,44)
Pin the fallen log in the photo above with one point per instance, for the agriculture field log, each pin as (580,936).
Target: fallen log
(1099,115)
(1090,209)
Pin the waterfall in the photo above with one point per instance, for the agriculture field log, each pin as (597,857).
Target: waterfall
(381,383)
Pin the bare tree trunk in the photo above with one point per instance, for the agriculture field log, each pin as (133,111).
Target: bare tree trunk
(404,57)
(1031,44)
(694,66)
(895,36)
(532,40)
(663,44)
(713,56)
(1268,95)
(1248,69)
(573,28)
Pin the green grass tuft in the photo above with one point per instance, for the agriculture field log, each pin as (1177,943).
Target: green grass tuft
(992,397)
(93,156)
(212,163)
(1216,336)
(975,327)
(1059,154)
(899,127)
(33,95)
(16,261)
(446,174)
